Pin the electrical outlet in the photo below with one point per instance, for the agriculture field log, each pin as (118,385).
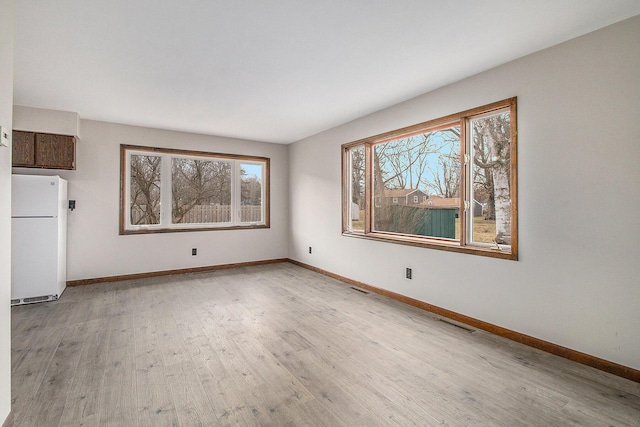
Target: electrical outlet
(309,249)
(408,273)
(194,251)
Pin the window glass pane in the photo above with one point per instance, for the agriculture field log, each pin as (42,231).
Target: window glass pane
(422,173)
(251,192)
(144,189)
(201,191)
(490,190)
(356,210)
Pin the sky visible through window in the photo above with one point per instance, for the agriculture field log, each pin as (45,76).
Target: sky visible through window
(252,170)
(429,162)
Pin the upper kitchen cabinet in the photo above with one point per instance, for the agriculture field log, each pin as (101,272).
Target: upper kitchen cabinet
(24,153)
(44,150)
(44,138)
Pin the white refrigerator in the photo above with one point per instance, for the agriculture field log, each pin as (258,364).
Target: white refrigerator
(38,238)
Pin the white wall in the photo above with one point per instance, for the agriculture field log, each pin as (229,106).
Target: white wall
(577,282)
(7,29)
(47,121)
(95,249)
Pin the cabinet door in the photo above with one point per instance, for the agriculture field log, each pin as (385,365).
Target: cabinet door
(23,148)
(55,151)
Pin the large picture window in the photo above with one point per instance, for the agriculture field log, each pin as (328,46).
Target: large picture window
(166,190)
(448,183)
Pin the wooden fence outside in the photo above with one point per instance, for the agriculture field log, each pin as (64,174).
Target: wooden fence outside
(203,214)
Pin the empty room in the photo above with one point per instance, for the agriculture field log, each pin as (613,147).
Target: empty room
(319,213)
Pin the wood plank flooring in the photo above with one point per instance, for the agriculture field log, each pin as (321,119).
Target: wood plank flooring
(279,345)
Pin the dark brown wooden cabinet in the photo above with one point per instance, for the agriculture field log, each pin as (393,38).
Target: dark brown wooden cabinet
(24,148)
(43,150)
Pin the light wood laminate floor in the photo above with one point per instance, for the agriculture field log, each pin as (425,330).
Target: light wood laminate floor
(283,346)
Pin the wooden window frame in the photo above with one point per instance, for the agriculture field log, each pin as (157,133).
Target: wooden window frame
(126,228)
(459,245)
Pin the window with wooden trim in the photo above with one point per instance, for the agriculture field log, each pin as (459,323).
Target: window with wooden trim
(164,190)
(460,172)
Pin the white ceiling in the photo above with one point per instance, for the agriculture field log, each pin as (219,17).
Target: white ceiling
(272,70)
